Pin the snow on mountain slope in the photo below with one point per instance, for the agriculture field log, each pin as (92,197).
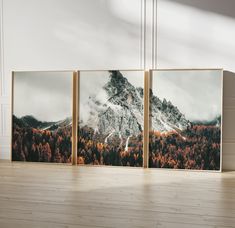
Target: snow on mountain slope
(122,110)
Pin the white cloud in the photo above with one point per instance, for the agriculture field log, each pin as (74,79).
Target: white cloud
(197,93)
(45,95)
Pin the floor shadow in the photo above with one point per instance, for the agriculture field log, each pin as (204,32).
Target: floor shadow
(78,197)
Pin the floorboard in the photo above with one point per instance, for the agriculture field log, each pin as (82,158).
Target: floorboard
(40,195)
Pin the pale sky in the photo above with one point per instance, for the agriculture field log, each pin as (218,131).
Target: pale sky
(196,93)
(45,95)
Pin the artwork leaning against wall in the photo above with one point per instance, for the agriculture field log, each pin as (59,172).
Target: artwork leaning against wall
(42,116)
(185,119)
(105,117)
(111,118)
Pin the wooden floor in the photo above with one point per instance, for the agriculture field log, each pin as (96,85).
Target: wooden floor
(61,196)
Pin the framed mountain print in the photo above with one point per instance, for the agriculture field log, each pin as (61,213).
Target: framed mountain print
(111,118)
(42,111)
(186,119)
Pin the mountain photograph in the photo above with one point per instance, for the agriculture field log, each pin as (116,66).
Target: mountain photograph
(111,118)
(41,122)
(185,119)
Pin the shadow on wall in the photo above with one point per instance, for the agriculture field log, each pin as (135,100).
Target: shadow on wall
(225,7)
(229,121)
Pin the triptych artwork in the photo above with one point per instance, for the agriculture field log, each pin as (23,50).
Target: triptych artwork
(184,118)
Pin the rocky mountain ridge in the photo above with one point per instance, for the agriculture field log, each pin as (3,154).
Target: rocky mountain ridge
(122,112)
(32,122)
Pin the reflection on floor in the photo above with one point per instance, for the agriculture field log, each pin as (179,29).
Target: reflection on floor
(50,195)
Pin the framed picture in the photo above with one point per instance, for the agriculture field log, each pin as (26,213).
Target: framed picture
(111,118)
(42,116)
(186,119)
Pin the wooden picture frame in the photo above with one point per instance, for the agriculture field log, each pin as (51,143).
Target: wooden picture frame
(22,73)
(219,94)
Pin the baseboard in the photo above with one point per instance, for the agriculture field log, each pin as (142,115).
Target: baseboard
(5,153)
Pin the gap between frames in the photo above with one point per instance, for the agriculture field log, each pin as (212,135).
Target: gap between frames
(146,121)
(75,113)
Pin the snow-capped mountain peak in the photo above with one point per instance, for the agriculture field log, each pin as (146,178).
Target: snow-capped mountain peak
(122,112)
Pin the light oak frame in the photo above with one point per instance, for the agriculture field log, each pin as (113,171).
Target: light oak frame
(146,101)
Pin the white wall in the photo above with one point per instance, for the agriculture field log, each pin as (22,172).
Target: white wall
(72,34)
(192,35)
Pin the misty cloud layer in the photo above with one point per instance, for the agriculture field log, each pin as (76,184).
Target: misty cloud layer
(197,94)
(45,95)
(48,95)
